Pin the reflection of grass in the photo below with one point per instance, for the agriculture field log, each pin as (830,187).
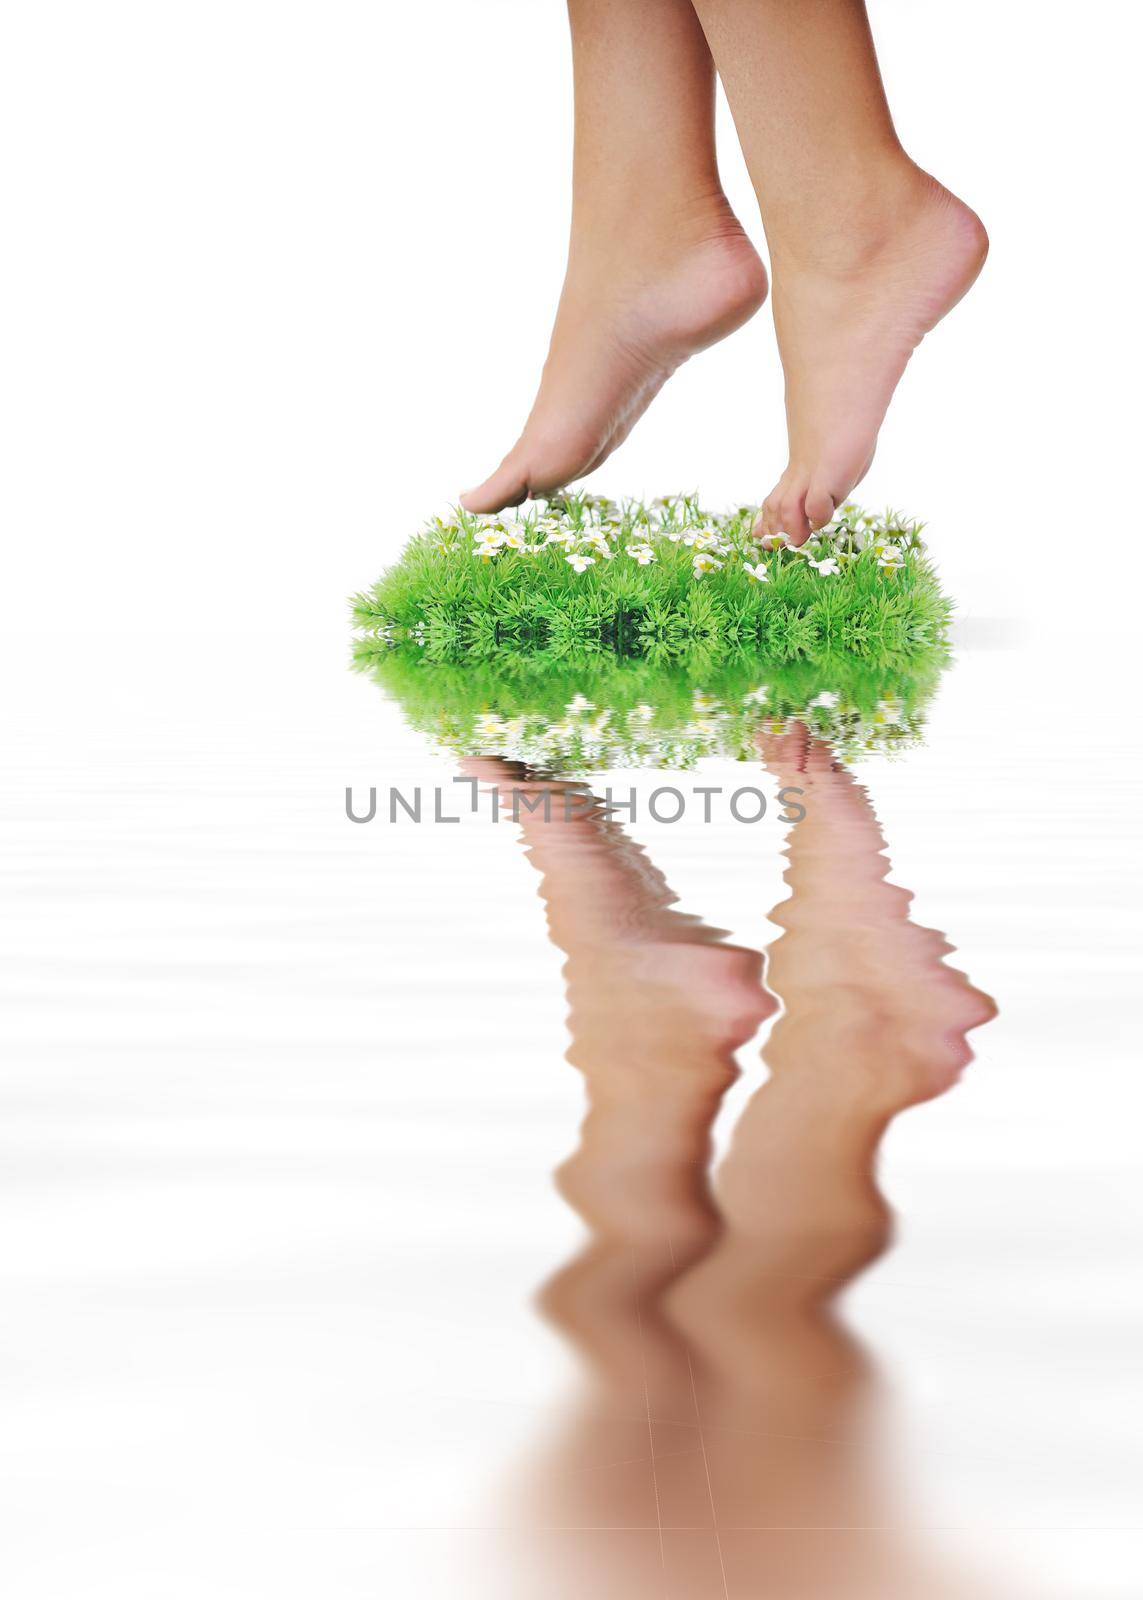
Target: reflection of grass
(580,712)
(660,581)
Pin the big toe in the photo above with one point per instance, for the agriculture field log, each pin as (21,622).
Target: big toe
(820,506)
(508,486)
(782,519)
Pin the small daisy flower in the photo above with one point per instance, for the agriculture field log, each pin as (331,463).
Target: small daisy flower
(514,541)
(827,567)
(704,564)
(756,573)
(561,536)
(642,553)
(580,563)
(889,556)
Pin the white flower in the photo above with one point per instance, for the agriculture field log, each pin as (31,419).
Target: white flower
(826,567)
(757,697)
(514,541)
(708,539)
(561,536)
(756,573)
(704,564)
(642,553)
(488,540)
(888,555)
(826,700)
(580,563)
(580,703)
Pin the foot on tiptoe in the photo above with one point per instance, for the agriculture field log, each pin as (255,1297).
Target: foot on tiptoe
(636,303)
(849,313)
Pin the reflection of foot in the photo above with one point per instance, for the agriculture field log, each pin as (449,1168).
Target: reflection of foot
(630,313)
(847,322)
(658,1004)
(889,1015)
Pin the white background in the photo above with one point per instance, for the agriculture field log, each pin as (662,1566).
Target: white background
(276,285)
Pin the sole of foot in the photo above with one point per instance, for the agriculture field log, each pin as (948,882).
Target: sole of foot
(846,330)
(626,322)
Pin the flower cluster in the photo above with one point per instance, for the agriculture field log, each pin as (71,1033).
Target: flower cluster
(590,737)
(585,531)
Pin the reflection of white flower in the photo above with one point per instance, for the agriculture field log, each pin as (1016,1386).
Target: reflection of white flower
(826,567)
(756,697)
(703,702)
(756,573)
(826,700)
(580,563)
(888,711)
(704,564)
(642,713)
(580,703)
(489,725)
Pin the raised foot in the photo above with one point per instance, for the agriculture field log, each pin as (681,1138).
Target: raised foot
(846,329)
(623,325)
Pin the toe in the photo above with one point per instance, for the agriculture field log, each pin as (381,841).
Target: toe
(792,516)
(507,486)
(766,523)
(819,507)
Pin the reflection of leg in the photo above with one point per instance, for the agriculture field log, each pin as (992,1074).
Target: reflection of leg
(874,1022)
(657,1006)
(658,266)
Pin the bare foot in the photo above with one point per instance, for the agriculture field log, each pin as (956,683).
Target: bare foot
(632,310)
(848,317)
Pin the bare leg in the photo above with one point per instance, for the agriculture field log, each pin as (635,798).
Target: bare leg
(658,266)
(867,251)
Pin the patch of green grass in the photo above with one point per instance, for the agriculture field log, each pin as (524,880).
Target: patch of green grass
(659,581)
(570,712)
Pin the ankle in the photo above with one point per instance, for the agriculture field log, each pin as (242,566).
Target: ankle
(858,222)
(639,223)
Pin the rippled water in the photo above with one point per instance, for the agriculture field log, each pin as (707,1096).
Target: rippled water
(814,1306)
